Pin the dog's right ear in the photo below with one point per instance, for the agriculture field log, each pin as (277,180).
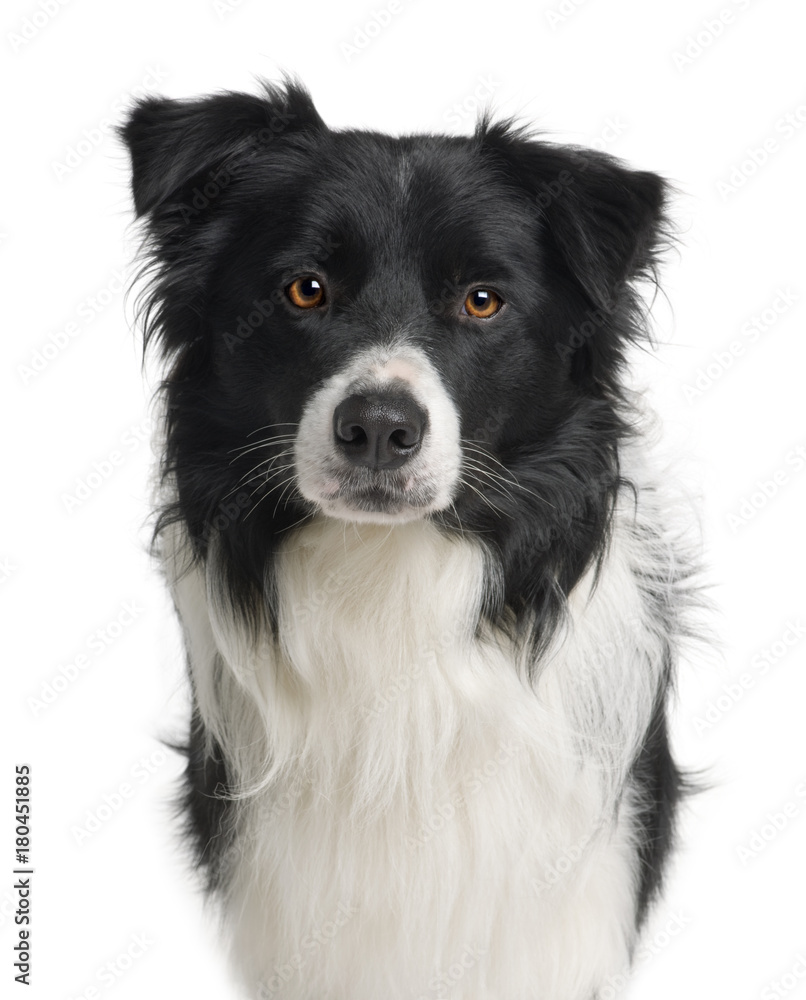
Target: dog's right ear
(174,143)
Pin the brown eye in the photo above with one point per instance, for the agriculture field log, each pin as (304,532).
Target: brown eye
(306,292)
(482,303)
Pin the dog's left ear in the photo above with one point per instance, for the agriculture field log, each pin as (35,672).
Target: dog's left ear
(606,220)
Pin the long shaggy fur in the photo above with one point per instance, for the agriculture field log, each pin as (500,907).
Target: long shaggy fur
(428,753)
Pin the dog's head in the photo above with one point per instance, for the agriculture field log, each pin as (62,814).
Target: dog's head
(383,328)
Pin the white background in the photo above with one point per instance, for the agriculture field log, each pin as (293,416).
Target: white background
(621,74)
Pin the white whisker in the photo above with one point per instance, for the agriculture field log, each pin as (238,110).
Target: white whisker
(282,423)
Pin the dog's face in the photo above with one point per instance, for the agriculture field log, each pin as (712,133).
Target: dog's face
(402,286)
(376,328)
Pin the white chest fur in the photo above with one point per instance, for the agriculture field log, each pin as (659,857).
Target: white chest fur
(418,819)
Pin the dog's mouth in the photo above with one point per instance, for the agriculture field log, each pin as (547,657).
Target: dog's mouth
(374,495)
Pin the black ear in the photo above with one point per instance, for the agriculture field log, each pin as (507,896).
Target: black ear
(174,142)
(605,220)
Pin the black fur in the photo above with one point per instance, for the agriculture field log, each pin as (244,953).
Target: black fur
(204,803)
(662,786)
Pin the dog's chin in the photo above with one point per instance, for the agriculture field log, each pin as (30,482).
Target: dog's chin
(373,504)
(344,511)
(373,507)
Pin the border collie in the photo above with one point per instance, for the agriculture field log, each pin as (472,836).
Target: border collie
(430,591)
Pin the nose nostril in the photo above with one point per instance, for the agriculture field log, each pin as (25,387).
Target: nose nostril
(404,437)
(351,434)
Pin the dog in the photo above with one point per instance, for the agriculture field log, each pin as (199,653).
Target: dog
(430,581)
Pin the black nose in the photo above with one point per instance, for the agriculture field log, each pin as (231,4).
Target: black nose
(379,431)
